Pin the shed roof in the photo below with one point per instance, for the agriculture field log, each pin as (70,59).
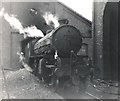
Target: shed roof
(79,16)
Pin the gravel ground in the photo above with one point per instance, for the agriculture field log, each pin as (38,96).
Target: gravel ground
(103,90)
(23,85)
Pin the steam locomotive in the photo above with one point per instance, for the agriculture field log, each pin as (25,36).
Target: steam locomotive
(54,57)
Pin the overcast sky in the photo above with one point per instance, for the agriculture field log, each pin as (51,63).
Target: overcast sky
(83,7)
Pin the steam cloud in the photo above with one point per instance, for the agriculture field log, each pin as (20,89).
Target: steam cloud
(51,19)
(30,31)
(22,60)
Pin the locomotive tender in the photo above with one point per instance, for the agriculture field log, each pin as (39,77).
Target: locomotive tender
(55,55)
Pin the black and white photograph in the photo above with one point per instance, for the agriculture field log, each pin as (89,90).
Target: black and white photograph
(63,50)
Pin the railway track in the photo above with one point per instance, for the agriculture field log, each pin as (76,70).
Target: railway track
(94,97)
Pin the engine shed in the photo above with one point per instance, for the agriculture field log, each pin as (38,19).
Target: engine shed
(76,60)
(11,39)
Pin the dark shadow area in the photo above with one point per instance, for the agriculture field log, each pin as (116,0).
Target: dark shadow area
(110,41)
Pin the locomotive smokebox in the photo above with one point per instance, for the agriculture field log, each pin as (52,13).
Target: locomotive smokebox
(64,39)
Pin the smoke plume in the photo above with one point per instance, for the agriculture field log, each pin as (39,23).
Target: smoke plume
(30,31)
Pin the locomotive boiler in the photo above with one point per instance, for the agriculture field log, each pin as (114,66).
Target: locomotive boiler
(55,55)
(63,40)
